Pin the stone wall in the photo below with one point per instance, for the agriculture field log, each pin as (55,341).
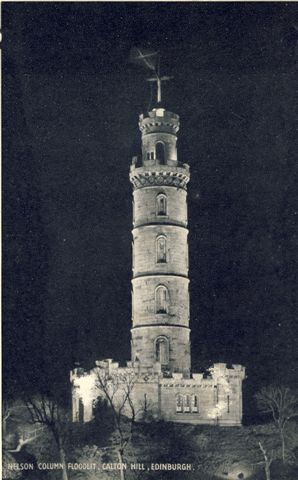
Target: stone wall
(218,396)
(149,145)
(143,346)
(145,250)
(144,311)
(144,206)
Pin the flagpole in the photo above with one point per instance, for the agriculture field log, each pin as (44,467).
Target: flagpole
(158,90)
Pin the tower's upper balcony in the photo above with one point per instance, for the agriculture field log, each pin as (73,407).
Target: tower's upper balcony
(176,175)
(159,120)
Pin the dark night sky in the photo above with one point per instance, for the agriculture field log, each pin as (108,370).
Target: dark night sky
(71,102)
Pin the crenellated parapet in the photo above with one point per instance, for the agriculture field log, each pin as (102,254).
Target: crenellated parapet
(159,120)
(213,397)
(223,370)
(160,175)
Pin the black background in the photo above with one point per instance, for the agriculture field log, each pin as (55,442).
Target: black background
(71,102)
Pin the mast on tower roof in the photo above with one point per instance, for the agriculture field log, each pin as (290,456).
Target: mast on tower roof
(150,60)
(158,81)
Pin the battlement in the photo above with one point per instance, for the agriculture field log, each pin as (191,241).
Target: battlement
(213,397)
(176,175)
(226,370)
(159,120)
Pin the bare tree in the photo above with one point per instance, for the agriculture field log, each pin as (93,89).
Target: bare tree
(282,403)
(26,437)
(22,434)
(268,459)
(6,413)
(116,388)
(46,411)
(92,454)
(16,435)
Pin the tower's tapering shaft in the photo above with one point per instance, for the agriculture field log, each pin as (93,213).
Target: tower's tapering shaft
(160,285)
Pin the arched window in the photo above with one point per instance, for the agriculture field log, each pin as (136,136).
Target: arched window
(187,403)
(194,403)
(161,299)
(179,403)
(161,204)
(160,153)
(161,249)
(162,350)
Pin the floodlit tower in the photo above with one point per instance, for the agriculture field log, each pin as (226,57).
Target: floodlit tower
(159,369)
(160,332)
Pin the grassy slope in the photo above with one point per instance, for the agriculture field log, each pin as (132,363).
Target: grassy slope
(214,452)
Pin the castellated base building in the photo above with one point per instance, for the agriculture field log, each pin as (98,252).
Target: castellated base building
(158,382)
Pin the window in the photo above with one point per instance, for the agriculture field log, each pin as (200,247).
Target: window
(228,403)
(152,155)
(161,249)
(187,403)
(161,299)
(161,205)
(162,350)
(160,153)
(179,403)
(81,411)
(145,403)
(194,403)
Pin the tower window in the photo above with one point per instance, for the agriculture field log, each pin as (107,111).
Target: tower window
(161,299)
(161,249)
(162,350)
(228,403)
(161,205)
(150,155)
(160,153)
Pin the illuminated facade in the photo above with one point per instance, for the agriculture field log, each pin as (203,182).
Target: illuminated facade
(160,336)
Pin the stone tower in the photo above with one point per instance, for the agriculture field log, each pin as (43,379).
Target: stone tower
(159,372)
(160,334)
